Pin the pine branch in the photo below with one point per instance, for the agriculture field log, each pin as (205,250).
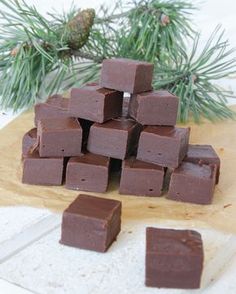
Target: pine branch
(113,32)
(86,55)
(156,28)
(40,56)
(32,47)
(192,77)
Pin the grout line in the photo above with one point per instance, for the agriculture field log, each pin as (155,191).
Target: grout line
(12,288)
(30,235)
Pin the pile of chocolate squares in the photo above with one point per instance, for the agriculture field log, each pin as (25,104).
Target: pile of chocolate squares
(97,131)
(86,137)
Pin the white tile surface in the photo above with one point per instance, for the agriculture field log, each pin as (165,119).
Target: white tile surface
(14,220)
(49,267)
(28,236)
(10,288)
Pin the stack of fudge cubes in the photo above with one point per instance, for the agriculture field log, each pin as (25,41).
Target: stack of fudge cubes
(83,139)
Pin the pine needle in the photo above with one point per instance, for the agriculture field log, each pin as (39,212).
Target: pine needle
(192,77)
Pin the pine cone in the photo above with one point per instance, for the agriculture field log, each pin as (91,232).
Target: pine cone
(165,20)
(78,29)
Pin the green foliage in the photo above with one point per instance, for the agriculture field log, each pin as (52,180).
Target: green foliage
(190,77)
(31,47)
(127,31)
(154,29)
(40,56)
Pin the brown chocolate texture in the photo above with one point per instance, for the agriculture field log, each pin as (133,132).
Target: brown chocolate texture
(141,178)
(59,137)
(91,223)
(203,154)
(165,146)
(28,141)
(42,171)
(94,103)
(56,106)
(174,258)
(117,138)
(88,172)
(154,108)
(193,182)
(126,75)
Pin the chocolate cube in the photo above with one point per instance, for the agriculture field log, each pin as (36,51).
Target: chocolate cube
(116,138)
(88,172)
(95,103)
(55,107)
(174,258)
(193,183)
(141,178)
(154,108)
(42,171)
(165,146)
(28,141)
(204,154)
(59,137)
(127,75)
(91,223)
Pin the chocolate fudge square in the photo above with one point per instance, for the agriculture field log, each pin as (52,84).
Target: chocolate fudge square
(154,108)
(88,172)
(91,223)
(59,137)
(28,141)
(174,258)
(42,171)
(141,178)
(165,146)
(56,106)
(94,103)
(116,138)
(193,182)
(126,75)
(204,154)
